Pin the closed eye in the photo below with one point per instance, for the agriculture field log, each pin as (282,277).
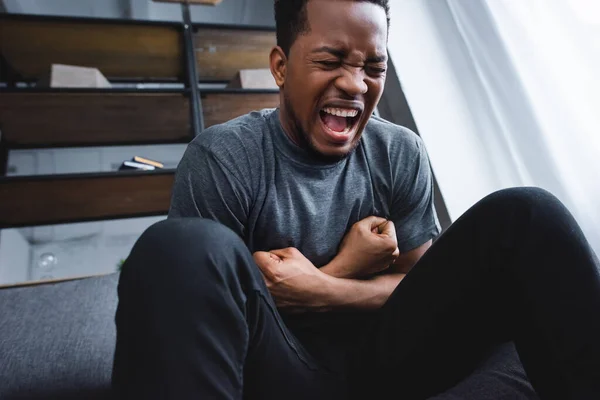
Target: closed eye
(376,70)
(329,64)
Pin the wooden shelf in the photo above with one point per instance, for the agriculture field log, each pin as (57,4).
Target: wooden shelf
(63,118)
(219,107)
(66,118)
(118,49)
(135,50)
(123,51)
(55,199)
(221,53)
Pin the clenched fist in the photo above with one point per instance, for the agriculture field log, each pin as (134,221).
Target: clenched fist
(294,282)
(369,247)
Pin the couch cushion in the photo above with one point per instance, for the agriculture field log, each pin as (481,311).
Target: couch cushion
(57,340)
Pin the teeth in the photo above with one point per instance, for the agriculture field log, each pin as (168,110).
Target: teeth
(341,112)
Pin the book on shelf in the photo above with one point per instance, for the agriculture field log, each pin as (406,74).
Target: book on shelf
(140,163)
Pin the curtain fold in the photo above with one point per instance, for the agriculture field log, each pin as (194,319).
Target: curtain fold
(538,64)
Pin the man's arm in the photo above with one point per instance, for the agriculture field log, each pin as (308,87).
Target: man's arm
(413,212)
(296,285)
(406,261)
(372,293)
(206,187)
(367,267)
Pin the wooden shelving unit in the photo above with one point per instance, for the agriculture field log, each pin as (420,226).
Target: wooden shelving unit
(125,52)
(55,199)
(62,118)
(120,49)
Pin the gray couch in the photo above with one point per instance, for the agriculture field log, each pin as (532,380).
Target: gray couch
(57,342)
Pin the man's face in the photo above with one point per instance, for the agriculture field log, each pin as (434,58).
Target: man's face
(334,75)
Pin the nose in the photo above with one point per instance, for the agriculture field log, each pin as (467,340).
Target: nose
(352,82)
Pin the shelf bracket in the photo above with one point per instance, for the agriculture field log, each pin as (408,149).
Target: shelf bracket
(196,114)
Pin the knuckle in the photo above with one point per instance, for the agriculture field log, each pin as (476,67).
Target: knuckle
(391,245)
(274,278)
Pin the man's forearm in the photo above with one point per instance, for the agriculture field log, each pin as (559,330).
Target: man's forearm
(368,294)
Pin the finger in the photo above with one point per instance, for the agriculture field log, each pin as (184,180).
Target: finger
(265,258)
(373,221)
(388,229)
(381,228)
(288,252)
(396,253)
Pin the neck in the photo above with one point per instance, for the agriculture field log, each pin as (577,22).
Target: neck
(288,123)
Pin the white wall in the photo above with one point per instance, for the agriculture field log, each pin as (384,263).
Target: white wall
(14,257)
(91,8)
(435,75)
(85,248)
(90,159)
(251,12)
(82,248)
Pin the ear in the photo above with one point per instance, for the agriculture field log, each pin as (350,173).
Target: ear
(278,64)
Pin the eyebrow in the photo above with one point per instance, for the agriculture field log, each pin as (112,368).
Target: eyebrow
(331,50)
(341,54)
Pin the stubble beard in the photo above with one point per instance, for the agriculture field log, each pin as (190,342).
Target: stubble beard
(304,139)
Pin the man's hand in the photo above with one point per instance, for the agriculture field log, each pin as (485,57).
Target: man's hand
(294,282)
(368,248)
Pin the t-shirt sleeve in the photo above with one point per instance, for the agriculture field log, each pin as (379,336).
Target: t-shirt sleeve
(205,187)
(413,211)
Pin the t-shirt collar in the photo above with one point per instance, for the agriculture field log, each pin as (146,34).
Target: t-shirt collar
(290,149)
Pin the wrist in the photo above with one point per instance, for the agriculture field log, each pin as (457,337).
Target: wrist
(325,294)
(368,294)
(337,268)
(337,291)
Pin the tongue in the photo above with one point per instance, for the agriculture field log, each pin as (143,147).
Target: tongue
(335,123)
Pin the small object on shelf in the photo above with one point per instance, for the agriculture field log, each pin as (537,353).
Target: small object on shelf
(148,162)
(135,165)
(141,163)
(71,76)
(260,78)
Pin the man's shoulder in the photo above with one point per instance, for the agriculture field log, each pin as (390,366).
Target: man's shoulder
(244,132)
(382,136)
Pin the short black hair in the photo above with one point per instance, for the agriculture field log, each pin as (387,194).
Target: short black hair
(291,20)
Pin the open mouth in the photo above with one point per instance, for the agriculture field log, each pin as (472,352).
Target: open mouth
(339,121)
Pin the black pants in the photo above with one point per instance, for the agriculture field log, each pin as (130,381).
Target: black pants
(195,319)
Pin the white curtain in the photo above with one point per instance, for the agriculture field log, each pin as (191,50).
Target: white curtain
(528,73)
(541,74)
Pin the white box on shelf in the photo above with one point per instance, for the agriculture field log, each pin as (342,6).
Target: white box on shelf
(71,76)
(254,79)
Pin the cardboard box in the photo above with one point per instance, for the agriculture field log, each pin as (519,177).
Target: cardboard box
(254,79)
(70,76)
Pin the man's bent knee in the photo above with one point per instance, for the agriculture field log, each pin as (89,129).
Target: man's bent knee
(524,195)
(526,199)
(177,248)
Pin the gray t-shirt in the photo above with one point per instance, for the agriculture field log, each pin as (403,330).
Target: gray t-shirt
(248,175)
